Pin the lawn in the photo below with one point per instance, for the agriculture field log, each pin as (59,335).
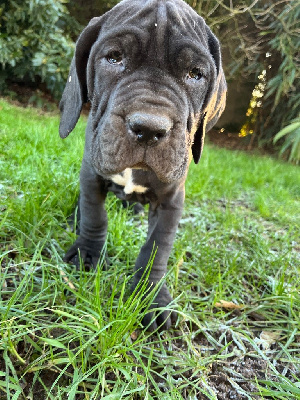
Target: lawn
(234,275)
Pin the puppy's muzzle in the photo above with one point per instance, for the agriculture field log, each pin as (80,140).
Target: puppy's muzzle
(148,129)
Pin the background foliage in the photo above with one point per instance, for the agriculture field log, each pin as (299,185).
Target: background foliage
(260,41)
(35,43)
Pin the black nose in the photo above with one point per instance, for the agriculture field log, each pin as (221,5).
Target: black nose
(148,129)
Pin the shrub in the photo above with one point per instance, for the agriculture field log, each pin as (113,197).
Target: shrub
(278,30)
(291,134)
(35,42)
(262,39)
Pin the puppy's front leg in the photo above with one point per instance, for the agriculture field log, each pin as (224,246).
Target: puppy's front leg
(93,219)
(163,223)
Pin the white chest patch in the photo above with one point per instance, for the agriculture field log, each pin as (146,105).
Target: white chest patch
(125,179)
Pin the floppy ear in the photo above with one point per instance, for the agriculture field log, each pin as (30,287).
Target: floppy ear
(75,92)
(198,143)
(215,102)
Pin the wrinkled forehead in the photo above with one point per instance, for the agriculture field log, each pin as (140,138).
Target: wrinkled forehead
(159,23)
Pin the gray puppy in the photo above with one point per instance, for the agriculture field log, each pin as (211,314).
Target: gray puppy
(152,71)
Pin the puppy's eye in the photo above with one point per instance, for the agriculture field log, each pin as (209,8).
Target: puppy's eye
(115,57)
(195,73)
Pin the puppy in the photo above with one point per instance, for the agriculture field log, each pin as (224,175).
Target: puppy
(152,71)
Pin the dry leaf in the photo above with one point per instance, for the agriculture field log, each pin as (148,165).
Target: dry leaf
(180,262)
(228,304)
(65,278)
(267,338)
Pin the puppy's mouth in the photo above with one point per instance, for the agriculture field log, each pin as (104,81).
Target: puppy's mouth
(141,165)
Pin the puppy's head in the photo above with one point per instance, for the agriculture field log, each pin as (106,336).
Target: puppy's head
(152,72)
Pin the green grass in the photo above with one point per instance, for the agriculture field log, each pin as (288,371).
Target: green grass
(68,334)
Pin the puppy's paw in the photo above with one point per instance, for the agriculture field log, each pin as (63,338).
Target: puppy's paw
(137,208)
(160,319)
(88,251)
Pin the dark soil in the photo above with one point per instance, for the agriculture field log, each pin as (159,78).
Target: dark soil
(235,377)
(228,140)
(233,141)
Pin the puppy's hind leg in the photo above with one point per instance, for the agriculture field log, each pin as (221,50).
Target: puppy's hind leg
(137,208)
